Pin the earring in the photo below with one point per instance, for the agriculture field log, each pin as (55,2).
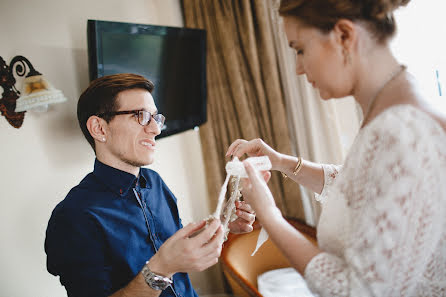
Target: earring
(103,139)
(347,56)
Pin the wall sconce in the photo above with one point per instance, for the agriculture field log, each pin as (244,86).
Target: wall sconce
(37,92)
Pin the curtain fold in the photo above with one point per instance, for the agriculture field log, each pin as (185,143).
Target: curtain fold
(244,92)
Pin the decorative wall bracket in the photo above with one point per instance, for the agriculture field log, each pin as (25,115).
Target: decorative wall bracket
(10,93)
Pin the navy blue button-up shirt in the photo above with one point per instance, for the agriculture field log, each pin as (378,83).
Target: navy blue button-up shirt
(101,235)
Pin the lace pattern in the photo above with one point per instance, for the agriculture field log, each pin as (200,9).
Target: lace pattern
(330,174)
(391,239)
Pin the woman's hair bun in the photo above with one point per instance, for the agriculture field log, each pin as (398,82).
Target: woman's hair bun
(381,9)
(324,14)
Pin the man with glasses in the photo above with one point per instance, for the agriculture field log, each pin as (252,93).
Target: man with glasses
(118,233)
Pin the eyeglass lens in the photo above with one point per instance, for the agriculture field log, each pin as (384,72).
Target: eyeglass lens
(144,118)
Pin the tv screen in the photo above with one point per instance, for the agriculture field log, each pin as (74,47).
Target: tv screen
(174,59)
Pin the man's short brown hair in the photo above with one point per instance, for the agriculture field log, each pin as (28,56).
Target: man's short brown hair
(100,97)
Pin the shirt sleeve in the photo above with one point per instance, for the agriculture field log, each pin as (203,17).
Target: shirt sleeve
(75,252)
(394,217)
(330,174)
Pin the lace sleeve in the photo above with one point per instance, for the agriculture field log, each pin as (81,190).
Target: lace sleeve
(395,214)
(330,174)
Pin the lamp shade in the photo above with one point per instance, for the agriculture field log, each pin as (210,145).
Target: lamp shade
(37,94)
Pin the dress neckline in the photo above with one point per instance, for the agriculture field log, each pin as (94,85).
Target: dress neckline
(403,106)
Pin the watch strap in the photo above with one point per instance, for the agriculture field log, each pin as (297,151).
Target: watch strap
(154,280)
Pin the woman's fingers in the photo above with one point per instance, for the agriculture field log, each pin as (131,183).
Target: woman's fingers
(240,147)
(233,147)
(266,176)
(252,173)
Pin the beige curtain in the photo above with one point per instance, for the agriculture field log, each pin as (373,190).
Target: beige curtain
(245,96)
(321,131)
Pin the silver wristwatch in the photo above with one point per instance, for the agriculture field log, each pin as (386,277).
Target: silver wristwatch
(155,281)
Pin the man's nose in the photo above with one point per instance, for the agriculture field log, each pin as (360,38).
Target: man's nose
(153,128)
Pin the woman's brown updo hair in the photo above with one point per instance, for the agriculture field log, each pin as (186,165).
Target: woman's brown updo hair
(324,14)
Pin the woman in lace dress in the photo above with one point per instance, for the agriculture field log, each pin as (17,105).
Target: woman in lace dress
(382,231)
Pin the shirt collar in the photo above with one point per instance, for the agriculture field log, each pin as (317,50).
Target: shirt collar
(118,181)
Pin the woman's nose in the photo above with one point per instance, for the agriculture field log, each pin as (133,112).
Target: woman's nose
(299,67)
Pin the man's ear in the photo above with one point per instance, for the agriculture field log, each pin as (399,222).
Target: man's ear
(346,34)
(96,127)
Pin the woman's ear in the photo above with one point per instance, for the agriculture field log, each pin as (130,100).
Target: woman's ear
(96,127)
(346,34)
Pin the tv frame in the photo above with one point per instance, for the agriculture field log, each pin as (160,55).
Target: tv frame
(95,27)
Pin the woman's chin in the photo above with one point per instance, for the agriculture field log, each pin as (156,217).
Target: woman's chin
(325,95)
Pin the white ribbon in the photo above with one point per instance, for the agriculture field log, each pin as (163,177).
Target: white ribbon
(237,169)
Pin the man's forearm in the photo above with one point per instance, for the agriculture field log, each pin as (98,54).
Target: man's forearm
(137,288)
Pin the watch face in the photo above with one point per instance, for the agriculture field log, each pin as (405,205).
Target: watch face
(158,283)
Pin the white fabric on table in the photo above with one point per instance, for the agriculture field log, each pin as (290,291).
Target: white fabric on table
(284,282)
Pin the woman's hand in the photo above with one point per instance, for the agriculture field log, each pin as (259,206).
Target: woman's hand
(255,191)
(256,148)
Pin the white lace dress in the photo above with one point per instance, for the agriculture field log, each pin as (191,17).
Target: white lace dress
(383,224)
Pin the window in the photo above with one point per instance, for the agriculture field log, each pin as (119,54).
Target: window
(420,44)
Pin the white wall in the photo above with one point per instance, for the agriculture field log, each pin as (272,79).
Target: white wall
(48,155)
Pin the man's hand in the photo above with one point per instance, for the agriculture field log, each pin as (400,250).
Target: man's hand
(246,217)
(180,253)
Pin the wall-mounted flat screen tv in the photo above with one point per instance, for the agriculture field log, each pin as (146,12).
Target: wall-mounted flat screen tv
(174,59)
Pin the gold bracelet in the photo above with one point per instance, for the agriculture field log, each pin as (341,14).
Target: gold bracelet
(296,169)
(298,166)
